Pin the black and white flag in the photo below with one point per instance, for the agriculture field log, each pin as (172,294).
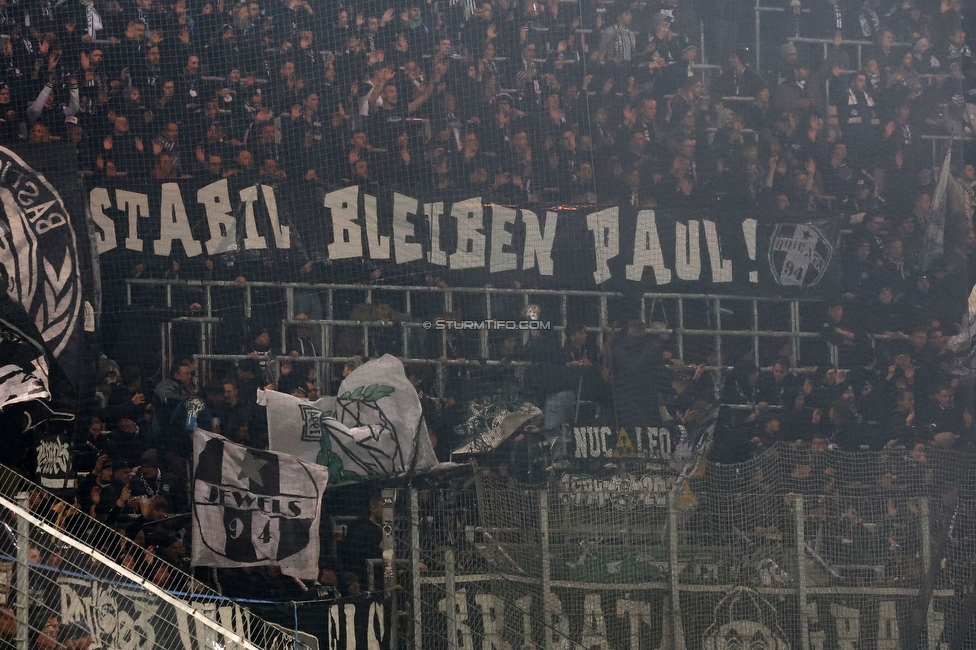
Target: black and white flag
(253,507)
(23,358)
(55,467)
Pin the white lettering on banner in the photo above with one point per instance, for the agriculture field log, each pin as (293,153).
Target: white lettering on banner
(935,625)
(375,626)
(687,256)
(379,246)
(648,442)
(538,241)
(605,226)
(493,620)
(135,206)
(888,637)
(848,622)
(349,612)
(749,229)
(406,246)
(342,619)
(174,224)
(654,442)
(591,442)
(334,628)
(648,251)
(281,233)
(347,235)
(53,457)
(721,268)
(465,639)
(619,492)
(594,623)
(470,218)
(122,617)
(524,605)
(437,254)
(356,219)
(818,638)
(557,630)
(215,200)
(636,612)
(252,239)
(502,226)
(98,201)
(731,618)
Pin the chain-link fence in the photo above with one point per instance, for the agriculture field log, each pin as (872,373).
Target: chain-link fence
(69,578)
(798,548)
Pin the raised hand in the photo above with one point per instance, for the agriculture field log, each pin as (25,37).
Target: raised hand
(630,114)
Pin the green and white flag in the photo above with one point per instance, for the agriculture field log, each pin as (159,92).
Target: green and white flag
(373,428)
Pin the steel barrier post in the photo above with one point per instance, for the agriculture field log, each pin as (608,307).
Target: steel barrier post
(23,574)
(677,626)
(389,563)
(450,609)
(758,36)
(801,572)
(417,604)
(681,325)
(755,328)
(718,336)
(550,642)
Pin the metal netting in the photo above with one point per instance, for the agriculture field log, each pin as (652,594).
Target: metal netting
(69,577)
(798,548)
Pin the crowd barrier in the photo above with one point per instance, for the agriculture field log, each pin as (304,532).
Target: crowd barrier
(695,320)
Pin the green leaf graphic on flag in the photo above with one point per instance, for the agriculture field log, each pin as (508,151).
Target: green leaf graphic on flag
(355,401)
(372,429)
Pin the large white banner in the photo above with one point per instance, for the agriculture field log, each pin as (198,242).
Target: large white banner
(373,428)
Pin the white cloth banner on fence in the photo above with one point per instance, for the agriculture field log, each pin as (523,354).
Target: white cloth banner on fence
(129,618)
(372,429)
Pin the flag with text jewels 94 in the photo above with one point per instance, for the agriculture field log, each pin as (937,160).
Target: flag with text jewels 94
(253,507)
(373,428)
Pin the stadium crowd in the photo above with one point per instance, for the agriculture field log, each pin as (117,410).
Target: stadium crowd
(525,101)
(521,102)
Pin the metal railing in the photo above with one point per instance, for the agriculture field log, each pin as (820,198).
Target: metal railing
(711,310)
(759,10)
(700,324)
(63,558)
(936,139)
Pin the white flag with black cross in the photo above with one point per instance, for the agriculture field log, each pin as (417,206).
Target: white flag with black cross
(254,507)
